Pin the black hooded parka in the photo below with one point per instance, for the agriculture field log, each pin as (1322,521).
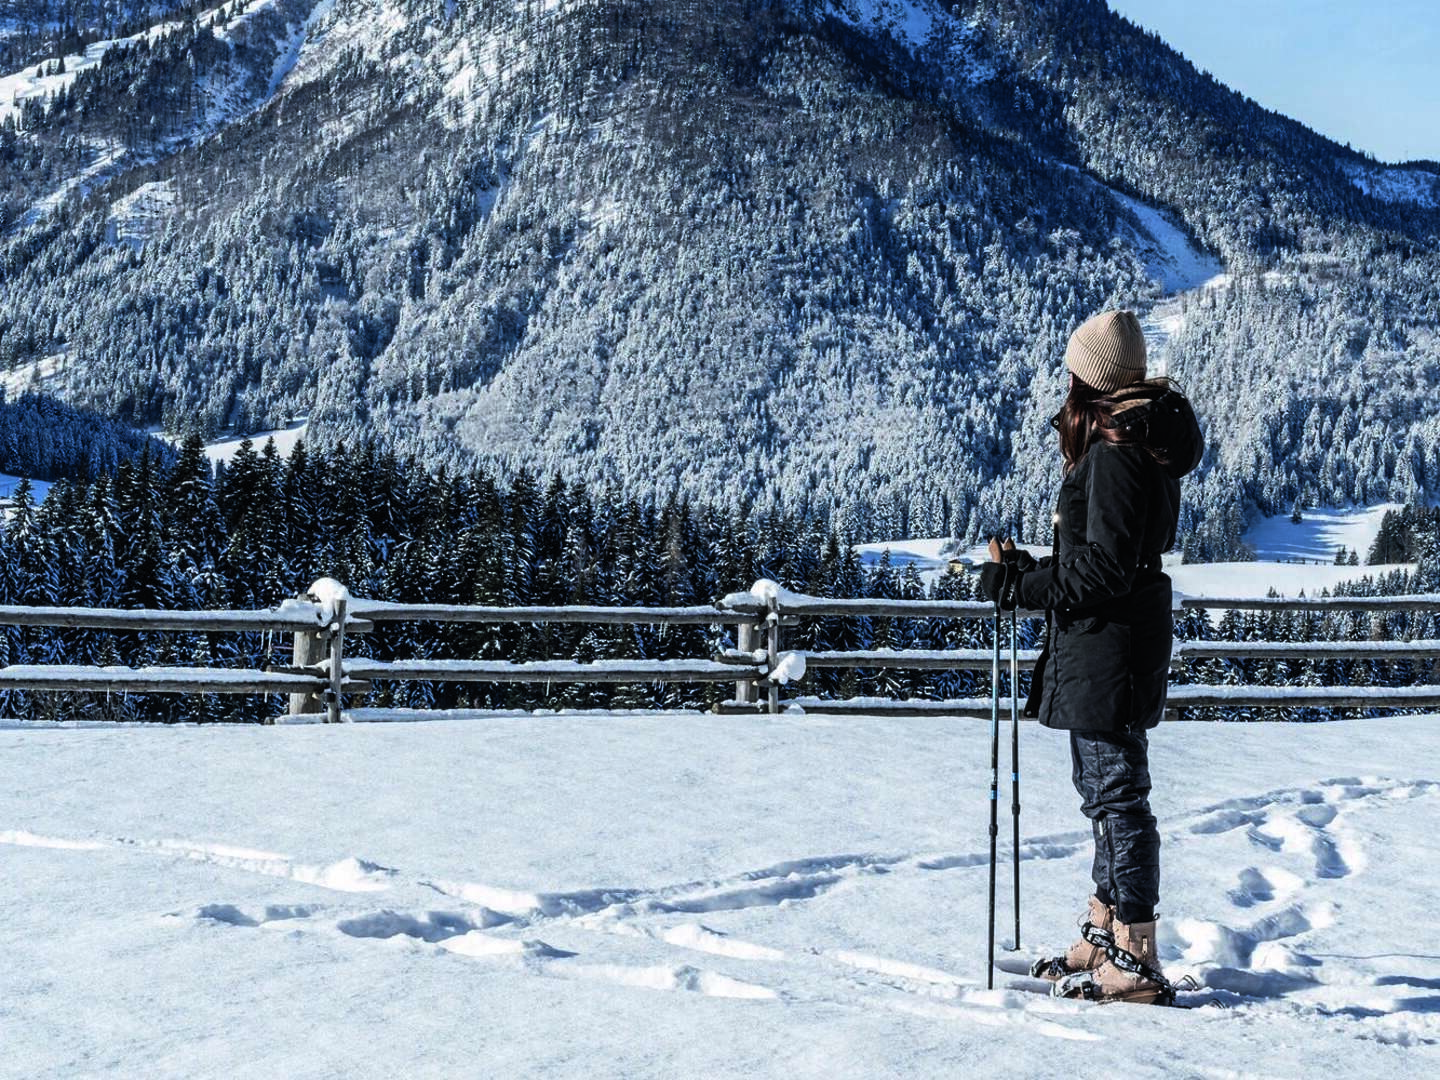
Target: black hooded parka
(1108,635)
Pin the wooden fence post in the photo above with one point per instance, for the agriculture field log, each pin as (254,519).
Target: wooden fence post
(773,651)
(309,653)
(337,662)
(746,637)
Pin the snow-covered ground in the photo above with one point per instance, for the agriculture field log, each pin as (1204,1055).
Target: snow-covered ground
(1163,320)
(1256,579)
(1170,257)
(42,81)
(32,376)
(907,21)
(142,213)
(1293,558)
(915,24)
(38,488)
(285,440)
(929,553)
(1320,532)
(692,896)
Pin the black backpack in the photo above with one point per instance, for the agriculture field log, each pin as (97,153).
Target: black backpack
(1157,414)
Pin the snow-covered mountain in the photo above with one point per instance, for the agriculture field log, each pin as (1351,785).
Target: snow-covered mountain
(819,252)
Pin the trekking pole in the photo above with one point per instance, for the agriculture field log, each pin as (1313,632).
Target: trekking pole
(994,778)
(1015,756)
(1014,743)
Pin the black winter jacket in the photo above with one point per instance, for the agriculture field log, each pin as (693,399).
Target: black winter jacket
(1108,634)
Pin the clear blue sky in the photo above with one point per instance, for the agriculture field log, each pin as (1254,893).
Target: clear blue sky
(1367,74)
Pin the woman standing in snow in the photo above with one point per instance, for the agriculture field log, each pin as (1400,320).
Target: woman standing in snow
(1126,442)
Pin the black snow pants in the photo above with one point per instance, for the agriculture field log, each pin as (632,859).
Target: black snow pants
(1111,770)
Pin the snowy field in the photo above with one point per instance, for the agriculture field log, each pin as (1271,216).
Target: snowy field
(38,488)
(1318,534)
(1293,558)
(32,376)
(285,439)
(927,554)
(1256,579)
(1290,558)
(687,895)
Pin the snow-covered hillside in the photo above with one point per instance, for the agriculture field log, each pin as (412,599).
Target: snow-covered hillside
(1294,557)
(837,246)
(230,22)
(690,895)
(263,39)
(1318,533)
(1170,256)
(1393,184)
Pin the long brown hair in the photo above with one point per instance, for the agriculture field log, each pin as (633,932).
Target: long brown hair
(1088,414)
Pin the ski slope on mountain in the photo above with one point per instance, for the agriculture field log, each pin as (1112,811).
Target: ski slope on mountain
(690,895)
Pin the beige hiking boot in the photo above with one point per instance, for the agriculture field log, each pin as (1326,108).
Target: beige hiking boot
(1084,955)
(1125,977)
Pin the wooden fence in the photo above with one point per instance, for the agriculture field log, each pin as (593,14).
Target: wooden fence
(320,676)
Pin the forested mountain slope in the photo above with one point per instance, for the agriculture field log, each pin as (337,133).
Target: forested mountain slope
(824,254)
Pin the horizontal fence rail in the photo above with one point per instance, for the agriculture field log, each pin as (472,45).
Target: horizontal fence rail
(914,660)
(815,606)
(320,675)
(1307,650)
(289,619)
(1377,604)
(159,680)
(543,671)
(380,611)
(1300,697)
(819,606)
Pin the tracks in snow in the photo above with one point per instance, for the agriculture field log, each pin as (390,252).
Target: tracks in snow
(346,875)
(657,939)
(1306,845)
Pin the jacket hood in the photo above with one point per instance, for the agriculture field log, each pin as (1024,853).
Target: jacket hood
(1156,414)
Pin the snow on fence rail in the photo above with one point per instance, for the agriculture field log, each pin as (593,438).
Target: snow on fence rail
(154,680)
(547,671)
(291,617)
(381,611)
(979,659)
(320,675)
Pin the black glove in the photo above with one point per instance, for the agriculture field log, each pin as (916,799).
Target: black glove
(999,581)
(1020,558)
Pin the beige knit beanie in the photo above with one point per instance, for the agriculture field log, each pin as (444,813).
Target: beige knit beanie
(1107,351)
